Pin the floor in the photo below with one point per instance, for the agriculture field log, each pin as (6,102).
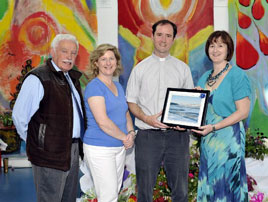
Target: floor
(17,184)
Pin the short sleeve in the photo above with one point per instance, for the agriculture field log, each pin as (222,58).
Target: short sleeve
(94,88)
(241,86)
(188,84)
(132,90)
(202,81)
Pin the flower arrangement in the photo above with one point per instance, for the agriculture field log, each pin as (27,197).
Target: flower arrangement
(161,189)
(256,148)
(258,197)
(193,171)
(90,196)
(251,183)
(256,145)
(126,195)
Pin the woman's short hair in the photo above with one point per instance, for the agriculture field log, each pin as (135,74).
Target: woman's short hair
(226,38)
(99,52)
(59,37)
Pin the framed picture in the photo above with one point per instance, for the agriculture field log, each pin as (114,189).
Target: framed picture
(185,107)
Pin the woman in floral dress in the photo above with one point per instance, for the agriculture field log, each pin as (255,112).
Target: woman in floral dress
(222,173)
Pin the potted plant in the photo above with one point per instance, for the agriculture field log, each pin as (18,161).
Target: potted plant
(8,131)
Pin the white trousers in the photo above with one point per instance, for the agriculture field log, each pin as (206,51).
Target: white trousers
(106,165)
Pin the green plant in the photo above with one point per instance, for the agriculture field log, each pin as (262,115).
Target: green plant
(193,171)
(161,188)
(129,193)
(256,144)
(256,147)
(6,119)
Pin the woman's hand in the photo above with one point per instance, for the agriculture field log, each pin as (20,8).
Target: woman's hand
(242,110)
(204,130)
(129,140)
(198,88)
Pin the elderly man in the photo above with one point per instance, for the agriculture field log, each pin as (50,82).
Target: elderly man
(155,141)
(48,115)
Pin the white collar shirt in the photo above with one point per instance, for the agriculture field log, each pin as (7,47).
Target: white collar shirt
(149,80)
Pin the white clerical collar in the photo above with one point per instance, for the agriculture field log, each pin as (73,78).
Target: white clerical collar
(160,59)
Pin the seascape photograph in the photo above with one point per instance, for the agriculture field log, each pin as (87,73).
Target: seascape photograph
(184,109)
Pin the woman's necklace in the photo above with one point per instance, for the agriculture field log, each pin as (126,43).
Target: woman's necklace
(211,80)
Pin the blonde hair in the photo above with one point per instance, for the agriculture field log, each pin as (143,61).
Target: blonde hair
(99,52)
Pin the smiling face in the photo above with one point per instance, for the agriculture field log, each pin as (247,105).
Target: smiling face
(217,51)
(107,64)
(64,55)
(163,40)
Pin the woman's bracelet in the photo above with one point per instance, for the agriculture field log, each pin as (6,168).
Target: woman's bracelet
(213,128)
(132,131)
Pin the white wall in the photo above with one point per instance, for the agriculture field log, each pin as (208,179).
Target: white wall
(107,13)
(221,15)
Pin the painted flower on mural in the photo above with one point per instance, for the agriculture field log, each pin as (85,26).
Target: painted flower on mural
(194,20)
(28,27)
(177,11)
(248,22)
(244,21)
(30,39)
(143,13)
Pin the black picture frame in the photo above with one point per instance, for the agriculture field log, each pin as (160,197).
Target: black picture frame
(185,108)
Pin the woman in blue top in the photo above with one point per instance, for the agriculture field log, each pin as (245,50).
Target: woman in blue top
(109,126)
(222,172)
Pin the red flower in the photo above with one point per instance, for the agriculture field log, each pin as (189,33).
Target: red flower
(132,198)
(191,175)
(160,199)
(93,200)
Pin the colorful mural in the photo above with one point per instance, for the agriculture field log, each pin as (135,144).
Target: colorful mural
(27,29)
(249,29)
(194,19)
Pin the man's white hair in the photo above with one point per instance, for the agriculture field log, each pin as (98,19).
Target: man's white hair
(60,37)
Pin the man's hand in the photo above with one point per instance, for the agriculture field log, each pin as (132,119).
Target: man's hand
(178,128)
(153,121)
